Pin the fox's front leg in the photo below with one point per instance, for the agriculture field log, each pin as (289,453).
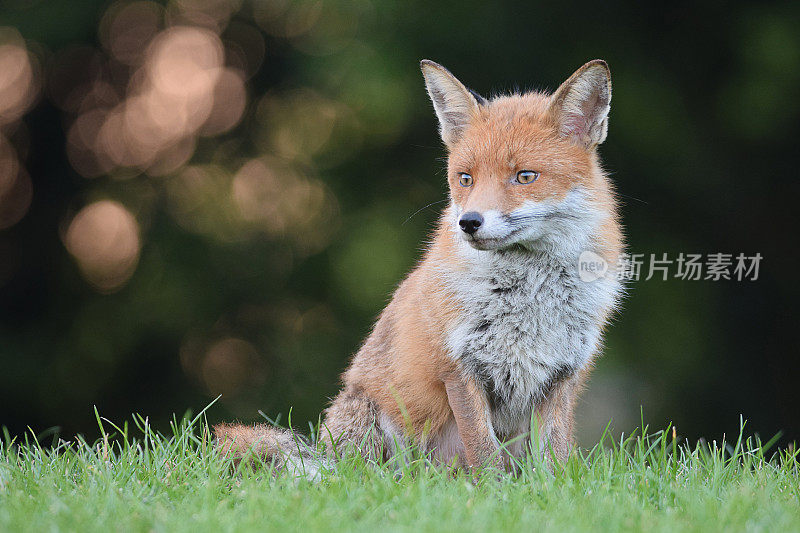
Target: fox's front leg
(555,415)
(472,414)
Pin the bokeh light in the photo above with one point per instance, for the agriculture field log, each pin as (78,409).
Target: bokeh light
(126,29)
(19,82)
(175,88)
(15,196)
(19,90)
(229,365)
(104,240)
(282,201)
(213,14)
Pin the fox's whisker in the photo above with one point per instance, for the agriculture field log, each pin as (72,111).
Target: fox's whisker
(422,209)
(515,219)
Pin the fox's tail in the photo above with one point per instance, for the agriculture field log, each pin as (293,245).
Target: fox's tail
(274,446)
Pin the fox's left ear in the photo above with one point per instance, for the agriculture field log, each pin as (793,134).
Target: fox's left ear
(580,106)
(455,105)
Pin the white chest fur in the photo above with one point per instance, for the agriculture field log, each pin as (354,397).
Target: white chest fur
(527,322)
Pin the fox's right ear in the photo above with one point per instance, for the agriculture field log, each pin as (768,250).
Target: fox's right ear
(455,105)
(581,105)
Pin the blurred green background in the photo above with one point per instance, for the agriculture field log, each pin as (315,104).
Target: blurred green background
(216,197)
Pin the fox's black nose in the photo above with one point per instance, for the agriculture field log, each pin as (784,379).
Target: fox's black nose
(470,222)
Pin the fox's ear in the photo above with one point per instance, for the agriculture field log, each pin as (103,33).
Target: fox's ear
(455,105)
(580,106)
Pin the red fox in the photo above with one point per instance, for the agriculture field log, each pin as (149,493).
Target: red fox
(494,328)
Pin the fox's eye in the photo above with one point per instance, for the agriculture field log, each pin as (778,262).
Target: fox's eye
(464,179)
(527,176)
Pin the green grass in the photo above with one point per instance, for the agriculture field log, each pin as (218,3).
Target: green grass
(137,480)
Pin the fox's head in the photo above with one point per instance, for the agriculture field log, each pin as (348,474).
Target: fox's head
(523,169)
